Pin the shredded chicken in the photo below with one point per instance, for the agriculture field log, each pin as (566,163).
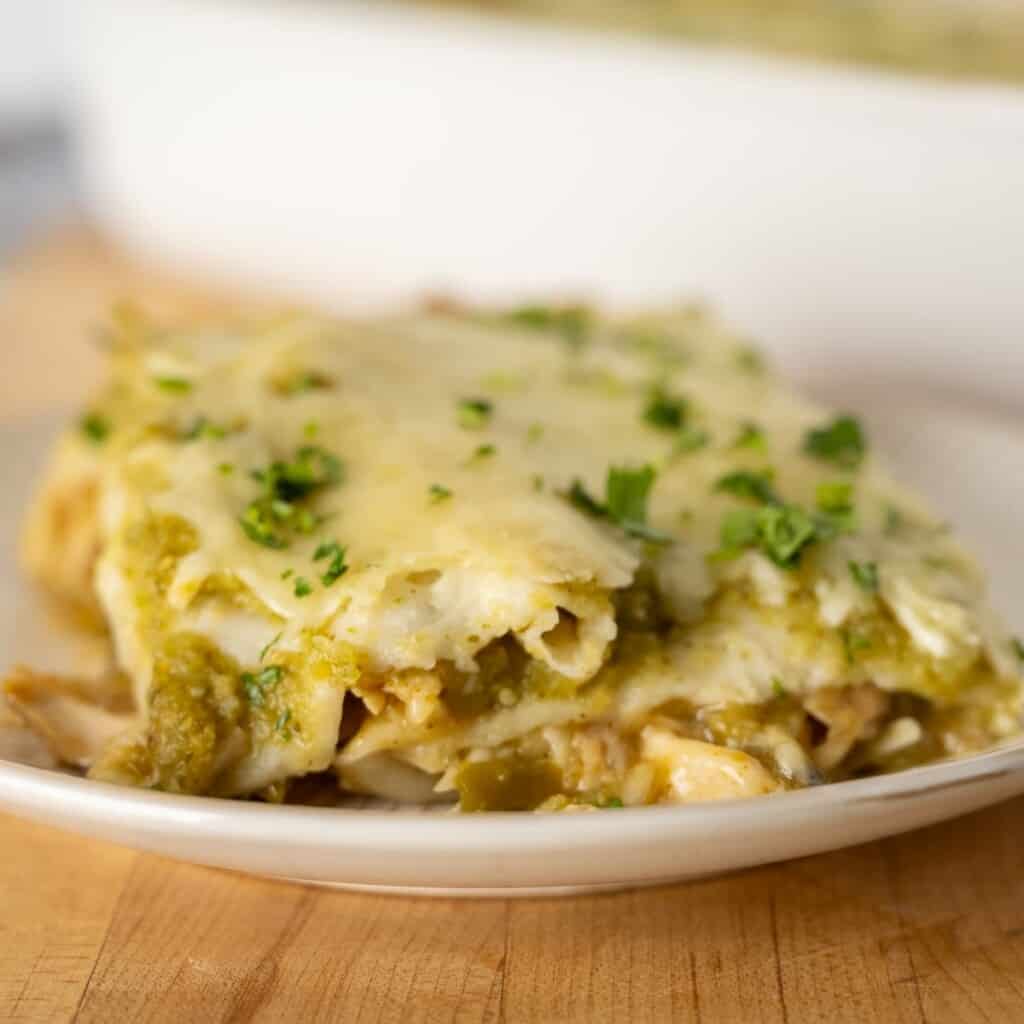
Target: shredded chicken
(851,714)
(75,718)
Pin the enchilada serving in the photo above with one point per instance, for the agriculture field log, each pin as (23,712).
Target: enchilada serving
(540,559)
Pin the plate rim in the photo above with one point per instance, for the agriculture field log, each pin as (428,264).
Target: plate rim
(402,829)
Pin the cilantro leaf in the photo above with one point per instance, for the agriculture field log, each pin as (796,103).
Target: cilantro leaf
(266,649)
(842,442)
(625,504)
(751,436)
(303,381)
(835,500)
(336,567)
(739,530)
(834,496)
(853,643)
(95,427)
(781,532)
(439,493)
(865,575)
(580,498)
(260,525)
(303,588)
(255,684)
(269,518)
(203,428)
(746,484)
(174,385)
(626,492)
(474,413)
(665,411)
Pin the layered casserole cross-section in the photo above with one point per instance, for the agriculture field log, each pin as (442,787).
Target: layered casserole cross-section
(535,560)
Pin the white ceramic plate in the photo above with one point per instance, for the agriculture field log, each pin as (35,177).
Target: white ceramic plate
(968,461)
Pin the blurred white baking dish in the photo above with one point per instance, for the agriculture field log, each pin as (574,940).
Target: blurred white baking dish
(360,153)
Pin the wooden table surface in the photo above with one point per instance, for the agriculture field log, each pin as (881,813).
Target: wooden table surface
(923,927)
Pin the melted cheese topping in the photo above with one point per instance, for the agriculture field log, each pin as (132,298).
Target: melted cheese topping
(452,445)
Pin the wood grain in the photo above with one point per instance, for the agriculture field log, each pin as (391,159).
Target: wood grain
(927,927)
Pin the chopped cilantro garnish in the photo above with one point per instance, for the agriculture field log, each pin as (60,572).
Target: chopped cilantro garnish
(834,496)
(853,643)
(612,802)
(781,532)
(306,380)
(690,439)
(485,451)
(625,504)
(865,575)
(202,428)
(778,690)
(841,441)
(1018,647)
(282,720)
(336,567)
(175,385)
(255,684)
(750,436)
(303,588)
(260,526)
(266,649)
(439,493)
(312,469)
(582,500)
(269,518)
(306,521)
(473,413)
(534,432)
(739,530)
(226,468)
(626,493)
(746,484)
(95,427)
(571,322)
(835,500)
(777,529)
(665,411)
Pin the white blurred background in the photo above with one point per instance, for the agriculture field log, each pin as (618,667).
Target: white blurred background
(355,153)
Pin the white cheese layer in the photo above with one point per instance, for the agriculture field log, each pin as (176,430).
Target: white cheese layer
(453,447)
